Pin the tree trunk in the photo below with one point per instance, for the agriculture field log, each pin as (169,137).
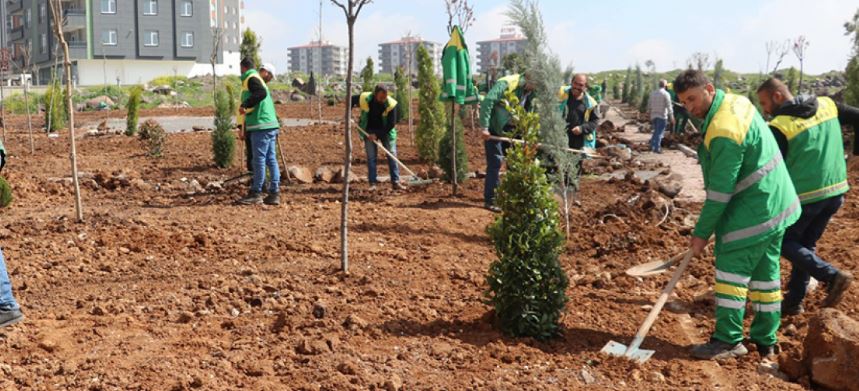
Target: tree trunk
(453,175)
(3,108)
(67,69)
(347,158)
(29,118)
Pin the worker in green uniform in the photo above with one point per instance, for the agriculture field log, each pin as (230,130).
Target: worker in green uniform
(750,203)
(808,131)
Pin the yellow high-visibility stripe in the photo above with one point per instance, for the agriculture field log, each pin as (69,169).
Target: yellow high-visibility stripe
(731,290)
(765,297)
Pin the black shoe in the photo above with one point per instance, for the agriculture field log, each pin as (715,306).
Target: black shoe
(837,288)
(791,310)
(10,317)
(718,350)
(272,199)
(769,352)
(252,198)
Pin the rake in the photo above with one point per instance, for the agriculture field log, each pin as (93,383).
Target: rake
(415,180)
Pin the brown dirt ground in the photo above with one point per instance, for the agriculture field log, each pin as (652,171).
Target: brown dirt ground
(161,289)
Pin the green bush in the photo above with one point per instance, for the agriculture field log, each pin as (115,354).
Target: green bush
(223,139)
(133,106)
(16,104)
(402,96)
(432,115)
(56,112)
(526,284)
(461,153)
(153,136)
(168,81)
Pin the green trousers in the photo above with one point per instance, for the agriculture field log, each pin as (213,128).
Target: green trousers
(753,273)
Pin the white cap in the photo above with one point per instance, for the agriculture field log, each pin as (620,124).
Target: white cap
(269,67)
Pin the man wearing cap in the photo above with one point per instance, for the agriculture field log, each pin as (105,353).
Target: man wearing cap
(261,127)
(10,312)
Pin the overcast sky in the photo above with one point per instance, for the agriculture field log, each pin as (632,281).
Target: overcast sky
(590,35)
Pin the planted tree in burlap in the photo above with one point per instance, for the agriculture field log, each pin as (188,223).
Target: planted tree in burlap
(223,139)
(135,97)
(461,153)
(368,82)
(431,128)
(526,284)
(401,95)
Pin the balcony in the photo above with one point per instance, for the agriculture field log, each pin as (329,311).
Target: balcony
(77,49)
(75,19)
(16,33)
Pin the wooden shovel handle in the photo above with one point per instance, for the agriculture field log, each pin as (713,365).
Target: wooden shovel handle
(663,298)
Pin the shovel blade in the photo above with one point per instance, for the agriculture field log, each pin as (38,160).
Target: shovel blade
(618,349)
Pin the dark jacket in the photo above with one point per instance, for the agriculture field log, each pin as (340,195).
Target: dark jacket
(375,123)
(258,93)
(805,106)
(576,117)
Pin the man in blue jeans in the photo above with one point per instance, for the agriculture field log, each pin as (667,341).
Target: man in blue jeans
(262,126)
(808,131)
(10,312)
(495,121)
(661,113)
(379,120)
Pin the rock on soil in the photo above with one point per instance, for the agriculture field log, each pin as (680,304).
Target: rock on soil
(325,174)
(301,174)
(830,352)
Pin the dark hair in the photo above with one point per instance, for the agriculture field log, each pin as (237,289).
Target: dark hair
(379,88)
(690,78)
(772,85)
(247,63)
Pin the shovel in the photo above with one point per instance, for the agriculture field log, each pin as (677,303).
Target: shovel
(653,268)
(632,351)
(415,180)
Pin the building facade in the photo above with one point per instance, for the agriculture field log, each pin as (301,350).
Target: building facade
(319,57)
(125,41)
(490,53)
(404,52)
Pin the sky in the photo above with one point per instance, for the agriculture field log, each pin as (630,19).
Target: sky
(591,36)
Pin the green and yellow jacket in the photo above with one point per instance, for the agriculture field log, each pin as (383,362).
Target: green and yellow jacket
(809,136)
(259,107)
(750,196)
(388,120)
(493,114)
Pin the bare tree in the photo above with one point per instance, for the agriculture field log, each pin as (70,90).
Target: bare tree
(56,14)
(461,12)
(322,78)
(699,60)
(780,50)
(26,85)
(799,47)
(217,39)
(351,9)
(410,55)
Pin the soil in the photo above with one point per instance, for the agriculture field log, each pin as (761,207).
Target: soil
(167,286)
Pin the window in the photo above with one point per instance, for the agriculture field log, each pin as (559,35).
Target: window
(187,39)
(43,43)
(187,8)
(150,38)
(108,37)
(150,7)
(28,19)
(108,6)
(43,13)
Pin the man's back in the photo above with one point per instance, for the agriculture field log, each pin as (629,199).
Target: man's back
(659,104)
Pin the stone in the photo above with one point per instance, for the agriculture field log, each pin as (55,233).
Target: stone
(656,377)
(301,174)
(354,322)
(313,347)
(394,383)
(198,128)
(435,172)
(587,377)
(831,348)
(340,176)
(767,367)
(619,151)
(319,310)
(185,317)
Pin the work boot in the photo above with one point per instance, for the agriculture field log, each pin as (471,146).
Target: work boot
(718,350)
(272,199)
(768,352)
(397,186)
(837,288)
(791,310)
(10,317)
(253,198)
